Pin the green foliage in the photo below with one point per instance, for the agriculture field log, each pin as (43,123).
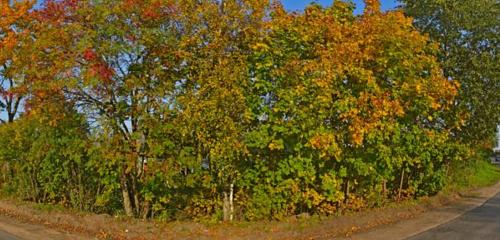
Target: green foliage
(48,162)
(467,33)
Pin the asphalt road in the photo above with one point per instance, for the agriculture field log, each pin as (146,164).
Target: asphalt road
(481,223)
(6,236)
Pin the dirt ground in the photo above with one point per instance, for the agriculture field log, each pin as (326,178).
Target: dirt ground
(27,222)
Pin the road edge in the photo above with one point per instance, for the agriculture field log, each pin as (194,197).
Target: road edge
(425,221)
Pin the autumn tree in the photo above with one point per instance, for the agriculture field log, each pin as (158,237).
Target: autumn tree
(213,115)
(328,87)
(467,34)
(135,66)
(14,28)
(121,71)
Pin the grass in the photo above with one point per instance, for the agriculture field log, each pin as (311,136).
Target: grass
(478,174)
(486,174)
(48,208)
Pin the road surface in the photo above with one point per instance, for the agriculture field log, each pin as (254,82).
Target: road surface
(7,236)
(481,223)
(11,229)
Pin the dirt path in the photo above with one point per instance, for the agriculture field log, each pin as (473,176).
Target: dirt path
(432,219)
(7,236)
(11,229)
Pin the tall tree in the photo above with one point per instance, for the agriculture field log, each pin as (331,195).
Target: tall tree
(120,67)
(14,28)
(135,66)
(328,88)
(467,33)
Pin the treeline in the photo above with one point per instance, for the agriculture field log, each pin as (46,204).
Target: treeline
(224,109)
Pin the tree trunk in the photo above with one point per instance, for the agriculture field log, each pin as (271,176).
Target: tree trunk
(35,192)
(146,209)
(231,204)
(225,207)
(346,192)
(10,117)
(127,203)
(137,200)
(81,191)
(401,184)
(384,188)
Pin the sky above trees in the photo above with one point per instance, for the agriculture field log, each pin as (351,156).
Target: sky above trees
(299,5)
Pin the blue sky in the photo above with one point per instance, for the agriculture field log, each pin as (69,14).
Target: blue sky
(300,4)
(295,5)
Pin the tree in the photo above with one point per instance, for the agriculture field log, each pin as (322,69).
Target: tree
(467,33)
(328,88)
(135,66)
(48,157)
(14,28)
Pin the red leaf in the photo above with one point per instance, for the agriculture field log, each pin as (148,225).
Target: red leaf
(89,55)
